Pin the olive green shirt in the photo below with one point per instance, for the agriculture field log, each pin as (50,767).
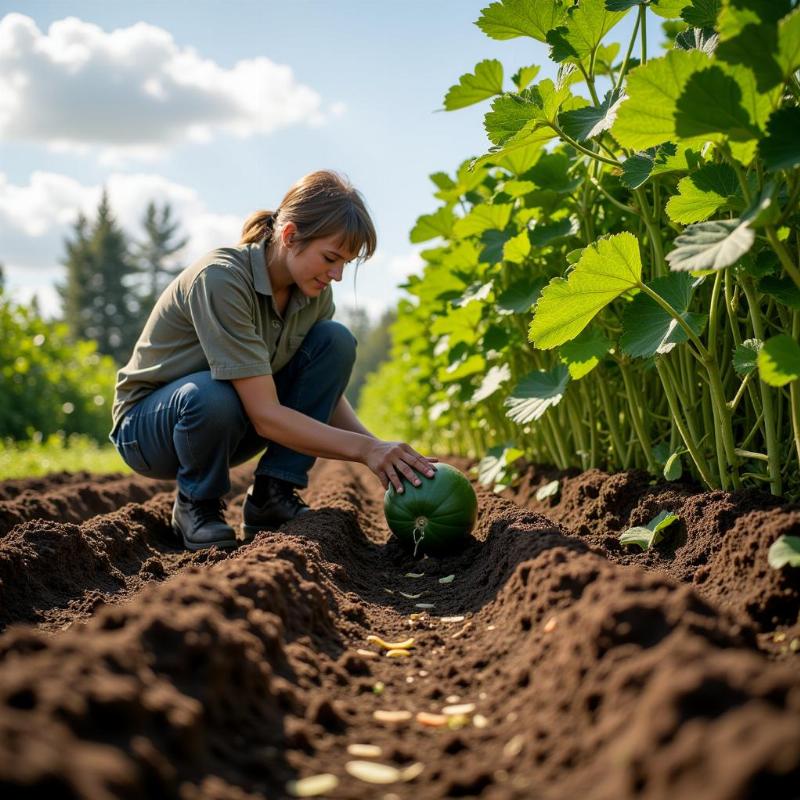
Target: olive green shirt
(218,314)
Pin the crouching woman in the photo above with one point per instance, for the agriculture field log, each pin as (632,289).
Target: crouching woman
(240,356)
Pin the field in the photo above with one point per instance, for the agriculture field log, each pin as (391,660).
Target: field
(132,668)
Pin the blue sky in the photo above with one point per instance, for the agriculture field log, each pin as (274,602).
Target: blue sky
(220,107)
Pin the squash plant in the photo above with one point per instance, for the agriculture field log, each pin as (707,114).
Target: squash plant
(615,283)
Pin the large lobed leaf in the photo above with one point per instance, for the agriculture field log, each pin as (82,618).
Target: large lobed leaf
(703,193)
(512,18)
(648,329)
(711,245)
(486,81)
(606,269)
(779,360)
(584,28)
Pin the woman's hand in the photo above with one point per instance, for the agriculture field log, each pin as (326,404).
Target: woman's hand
(390,461)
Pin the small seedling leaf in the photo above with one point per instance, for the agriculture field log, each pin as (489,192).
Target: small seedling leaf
(673,468)
(784,550)
(646,536)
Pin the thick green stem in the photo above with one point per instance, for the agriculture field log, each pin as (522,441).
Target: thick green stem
(794,393)
(613,423)
(667,381)
(636,403)
(643,18)
(654,232)
(624,69)
(770,430)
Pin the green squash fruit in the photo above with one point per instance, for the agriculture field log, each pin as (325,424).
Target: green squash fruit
(435,517)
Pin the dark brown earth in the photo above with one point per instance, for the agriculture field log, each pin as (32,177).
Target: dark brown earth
(131,668)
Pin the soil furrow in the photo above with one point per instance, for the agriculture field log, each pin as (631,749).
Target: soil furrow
(237,675)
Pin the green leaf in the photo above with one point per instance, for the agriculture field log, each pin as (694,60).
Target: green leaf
(483,217)
(779,360)
(788,56)
(780,149)
(711,245)
(636,169)
(517,248)
(552,171)
(647,329)
(647,117)
(701,13)
(546,232)
(536,392)
(722,102)
(669,9)
(473,87)
(495,338)
(606,269)
(649,535)
(584,352)
(736,15)
(524,75)
(785,550)
(548,490)
(673,468)
(493,467)
(429,226)
(784,290)
(586,25)
(660,160)
(471,365)
(583,124)
(703,193)
(521,296)
(492,381)
(745,356)
(703,39)
(512,18)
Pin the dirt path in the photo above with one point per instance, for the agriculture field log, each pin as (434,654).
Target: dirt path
(228,675)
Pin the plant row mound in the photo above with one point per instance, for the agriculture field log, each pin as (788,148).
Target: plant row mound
(235,676)
(719,545)
(14,487)
(53,571)
(77,502)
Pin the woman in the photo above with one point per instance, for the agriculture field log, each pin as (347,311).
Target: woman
(241,352)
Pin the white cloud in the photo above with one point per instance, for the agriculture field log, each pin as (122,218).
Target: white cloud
(134,93)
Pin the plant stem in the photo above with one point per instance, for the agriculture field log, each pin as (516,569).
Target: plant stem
(794,392)
(613,423)
(770,433)
(624,69)
(637,403)
(643,18)
(667,381)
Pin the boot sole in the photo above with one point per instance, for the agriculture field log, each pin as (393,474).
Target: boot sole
(195,546)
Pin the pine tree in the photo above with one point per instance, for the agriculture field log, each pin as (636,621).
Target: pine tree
(115,305)
(155,252)
(76,291)
(99,297)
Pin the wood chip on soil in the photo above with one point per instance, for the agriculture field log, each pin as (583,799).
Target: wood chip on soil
(364,750)
(382,715)
(313,785)
(458,710)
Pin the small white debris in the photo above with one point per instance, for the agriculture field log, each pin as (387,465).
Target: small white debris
(513,747)
(550,625)
(411,596)
(452,698)
(414,575)
(424,605)
(459,710)
(391,716)
(459,618)
(313,785)
(366,653)
(372,771)
(364,750)
(448,579)
(479,721)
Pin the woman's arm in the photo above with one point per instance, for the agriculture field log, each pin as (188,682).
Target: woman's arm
(345,418)
(388,460)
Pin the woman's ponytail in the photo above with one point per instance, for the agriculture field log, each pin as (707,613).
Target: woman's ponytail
(258,225)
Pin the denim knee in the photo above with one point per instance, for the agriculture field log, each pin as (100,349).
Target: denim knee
(215,401)
(337,339)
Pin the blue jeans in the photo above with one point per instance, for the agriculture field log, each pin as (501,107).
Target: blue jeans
(194,429)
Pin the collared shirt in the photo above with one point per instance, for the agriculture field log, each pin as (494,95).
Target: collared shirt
(218,314)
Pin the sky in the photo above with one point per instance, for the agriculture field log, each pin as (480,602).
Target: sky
(218,108)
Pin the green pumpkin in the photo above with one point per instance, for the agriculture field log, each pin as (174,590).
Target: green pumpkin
(435,517)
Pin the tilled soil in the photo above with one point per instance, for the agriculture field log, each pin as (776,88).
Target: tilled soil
(132,668)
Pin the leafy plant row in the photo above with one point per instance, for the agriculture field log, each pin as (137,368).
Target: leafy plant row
(615,283)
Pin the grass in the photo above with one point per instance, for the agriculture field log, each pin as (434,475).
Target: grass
(57,453)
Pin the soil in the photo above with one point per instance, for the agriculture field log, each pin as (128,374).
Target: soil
(132,668)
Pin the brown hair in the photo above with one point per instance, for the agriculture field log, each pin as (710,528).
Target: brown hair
(320,204)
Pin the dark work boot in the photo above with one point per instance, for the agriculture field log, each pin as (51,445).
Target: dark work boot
(200,524)
(277,503)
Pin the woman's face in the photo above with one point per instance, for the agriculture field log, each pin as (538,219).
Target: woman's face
(320,263)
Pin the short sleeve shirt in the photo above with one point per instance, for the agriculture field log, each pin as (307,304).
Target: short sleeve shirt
(219,315)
